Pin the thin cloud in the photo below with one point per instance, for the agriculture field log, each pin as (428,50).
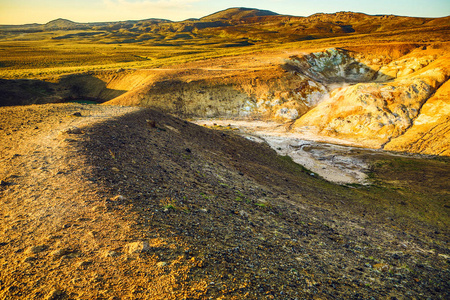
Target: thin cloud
(142,9)
(159,5)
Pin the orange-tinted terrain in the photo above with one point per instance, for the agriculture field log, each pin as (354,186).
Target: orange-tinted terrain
(132,200)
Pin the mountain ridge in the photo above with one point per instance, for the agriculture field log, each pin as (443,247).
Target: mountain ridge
(237,27)
(233,14)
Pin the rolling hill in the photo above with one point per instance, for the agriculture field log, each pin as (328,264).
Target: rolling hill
(252,24)
(139,198)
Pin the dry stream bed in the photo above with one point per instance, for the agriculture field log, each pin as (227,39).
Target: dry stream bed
(333,159)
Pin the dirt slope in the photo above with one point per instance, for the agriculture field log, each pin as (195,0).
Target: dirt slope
(136,204)
(430,133)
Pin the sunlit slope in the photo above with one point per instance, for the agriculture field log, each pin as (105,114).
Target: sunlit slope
(371,114)
(430,132)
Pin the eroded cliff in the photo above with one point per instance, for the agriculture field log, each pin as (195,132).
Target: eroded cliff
(373,113)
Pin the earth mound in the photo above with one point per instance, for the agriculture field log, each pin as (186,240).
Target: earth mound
(116,202)
(237,14)
(63,24)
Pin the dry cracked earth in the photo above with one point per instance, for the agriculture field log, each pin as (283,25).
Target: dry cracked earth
(105,202)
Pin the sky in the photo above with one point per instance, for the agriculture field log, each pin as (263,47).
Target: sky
(42,11)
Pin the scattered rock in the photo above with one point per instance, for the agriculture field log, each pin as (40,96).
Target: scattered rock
(30,259)
(161,264)
(118,198)
(60,252)
(151,123)
(243,213)
(72,130)
(97,278)
(111,253)
(98,208)
(85,263)
(397,255)
(55,294)
(310,282)
(76,280)
(76,114)
(138,247)
(37,249)
(381,267)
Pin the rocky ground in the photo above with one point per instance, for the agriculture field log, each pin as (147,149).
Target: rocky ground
(105,202)
(333,159)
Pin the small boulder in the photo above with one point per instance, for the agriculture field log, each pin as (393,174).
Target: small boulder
(381,267)
(60,252)
(85,263)
(30,259)
(118,198)
(55,294)
(111,253)
(161,264)
(151,123)
(72,130)
(137,247)
(243,213)
(37,249)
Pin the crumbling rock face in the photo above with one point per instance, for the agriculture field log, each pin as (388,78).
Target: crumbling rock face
(267,94)
(334,65)
(430,132)
(371,114)
(189,99)
(403,67)
(367,100)
(290,104)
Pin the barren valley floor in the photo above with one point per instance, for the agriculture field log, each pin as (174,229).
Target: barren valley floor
(134,198)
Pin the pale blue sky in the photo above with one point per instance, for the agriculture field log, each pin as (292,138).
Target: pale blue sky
(43,11)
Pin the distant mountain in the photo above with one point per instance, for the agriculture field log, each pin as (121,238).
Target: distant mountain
(233,27)
(63,24)
(237,14)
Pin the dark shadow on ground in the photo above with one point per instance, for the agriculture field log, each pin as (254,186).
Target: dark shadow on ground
(254,220)
(69,88)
